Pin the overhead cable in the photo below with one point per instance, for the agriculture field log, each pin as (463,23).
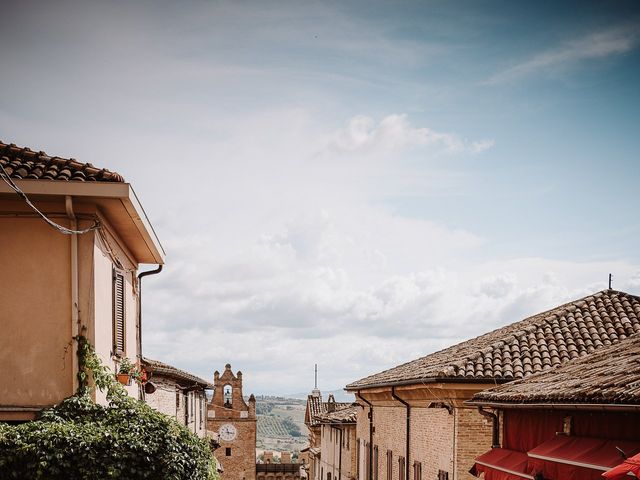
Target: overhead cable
(67,231)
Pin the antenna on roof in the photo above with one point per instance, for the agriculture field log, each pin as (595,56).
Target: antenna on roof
(315,384)
(610,278)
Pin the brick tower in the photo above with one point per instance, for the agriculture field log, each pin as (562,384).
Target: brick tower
(235,423)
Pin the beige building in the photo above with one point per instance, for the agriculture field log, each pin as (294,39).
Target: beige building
(315,408)
(178,394)
(414,423)
(338,444)
(57,285)
(234,422)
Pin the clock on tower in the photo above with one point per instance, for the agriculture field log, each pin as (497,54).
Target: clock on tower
(234,420)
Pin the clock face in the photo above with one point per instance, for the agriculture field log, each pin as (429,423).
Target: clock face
(227,432)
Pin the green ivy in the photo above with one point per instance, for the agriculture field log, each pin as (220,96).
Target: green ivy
(79,439)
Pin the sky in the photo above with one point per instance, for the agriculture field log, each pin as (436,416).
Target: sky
(352,184)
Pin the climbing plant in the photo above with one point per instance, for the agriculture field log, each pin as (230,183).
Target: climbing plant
(80,439)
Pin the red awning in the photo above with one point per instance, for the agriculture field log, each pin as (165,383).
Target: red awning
(630,468)
(503,464)
(582,458)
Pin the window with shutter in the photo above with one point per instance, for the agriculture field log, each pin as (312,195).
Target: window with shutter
(401,468)
(118,313)
(389,465)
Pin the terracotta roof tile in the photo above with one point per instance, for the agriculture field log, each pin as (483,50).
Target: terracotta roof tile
(609,376)
(347,414)
(317,408)
(535,344)
(159,368)
(23,163)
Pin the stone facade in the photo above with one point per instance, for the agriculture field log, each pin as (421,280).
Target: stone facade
(338,453)
(284,470)
(178,394)
(235,423)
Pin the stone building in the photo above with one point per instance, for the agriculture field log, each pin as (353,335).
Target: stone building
(178,394)
(235,422)
(415,424)
(69,261)
(314,409)
(285,469)
(338,444)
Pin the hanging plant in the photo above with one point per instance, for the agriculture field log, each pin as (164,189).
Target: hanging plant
(83,440)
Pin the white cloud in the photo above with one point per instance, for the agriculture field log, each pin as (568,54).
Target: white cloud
(604,43)
(394,132)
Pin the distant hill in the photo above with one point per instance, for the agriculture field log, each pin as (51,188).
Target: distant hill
(280,423)
(339,395)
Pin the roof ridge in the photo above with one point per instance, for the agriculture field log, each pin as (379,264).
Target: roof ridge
(22,163)
(455,360)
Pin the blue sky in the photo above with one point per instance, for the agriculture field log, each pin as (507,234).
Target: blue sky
(360,182)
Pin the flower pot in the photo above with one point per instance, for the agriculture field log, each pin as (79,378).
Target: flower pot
(124,378)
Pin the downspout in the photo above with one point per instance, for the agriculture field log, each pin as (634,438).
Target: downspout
(370,433)
(408,430)
(75,310)
(495,435)
(339,454)
(141,275)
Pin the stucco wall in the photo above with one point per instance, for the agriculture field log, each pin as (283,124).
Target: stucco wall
(35,313)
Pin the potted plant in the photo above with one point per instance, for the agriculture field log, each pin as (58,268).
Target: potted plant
(126,371)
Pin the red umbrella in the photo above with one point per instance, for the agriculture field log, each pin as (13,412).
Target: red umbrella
(620,472)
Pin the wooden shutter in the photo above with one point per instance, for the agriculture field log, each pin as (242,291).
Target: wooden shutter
(401,470)
(119,317)
(389,465)
(375,462)
(417,471)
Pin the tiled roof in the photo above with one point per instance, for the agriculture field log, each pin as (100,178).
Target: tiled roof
(342,415)
(532,345)
(316,407)
(23,163)
(609,376)
(160,368)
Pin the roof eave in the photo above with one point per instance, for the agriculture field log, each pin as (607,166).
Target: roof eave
(417,381)
(151,252)
(555,406)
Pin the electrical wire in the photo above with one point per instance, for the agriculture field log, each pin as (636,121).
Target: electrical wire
(67,231)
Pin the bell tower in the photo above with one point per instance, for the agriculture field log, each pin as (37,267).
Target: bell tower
(235,422)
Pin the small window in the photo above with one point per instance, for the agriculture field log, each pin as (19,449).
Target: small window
(400,468)
(228,396)
(119,312)
(186,408)
(227,451)
(442,475)
(177,402)
(389,465)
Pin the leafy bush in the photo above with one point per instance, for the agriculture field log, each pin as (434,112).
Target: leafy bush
(79,439)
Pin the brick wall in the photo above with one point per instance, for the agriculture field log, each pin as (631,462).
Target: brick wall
(473,437)
(338,454)
(432,440)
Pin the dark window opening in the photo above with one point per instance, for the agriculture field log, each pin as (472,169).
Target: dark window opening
(227,451)
(442,475)
(389,465)
(401,468)
(228,396)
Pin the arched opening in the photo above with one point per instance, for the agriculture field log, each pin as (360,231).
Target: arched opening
(228,396)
